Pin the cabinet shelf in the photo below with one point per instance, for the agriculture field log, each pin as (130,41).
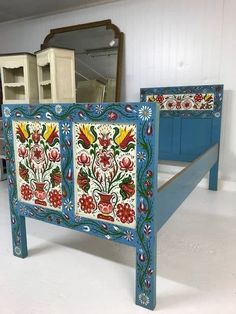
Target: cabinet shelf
(46,82)
(13,75)
(14,84)
(14,92)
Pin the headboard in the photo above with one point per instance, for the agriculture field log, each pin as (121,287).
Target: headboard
(190,119)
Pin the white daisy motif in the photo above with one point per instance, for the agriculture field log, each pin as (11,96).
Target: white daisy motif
(145,113)
(141,156)
(7,112)
(128,236)
(65,128)
(99,108)
(68,205)
(17,250)
(143,298)
(58,109)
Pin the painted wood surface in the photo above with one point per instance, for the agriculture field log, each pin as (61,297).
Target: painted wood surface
(69,146)
(91,168)
(173,193)
(190,119)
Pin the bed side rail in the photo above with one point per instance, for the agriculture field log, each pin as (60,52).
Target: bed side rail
(172,193)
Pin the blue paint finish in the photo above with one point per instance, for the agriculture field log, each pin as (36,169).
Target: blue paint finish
(176,135)
(174,192)
(197,129)
(196,136)
(146,118)
(166,142)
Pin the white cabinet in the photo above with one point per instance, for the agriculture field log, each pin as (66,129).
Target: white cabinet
(19,78)
(56,75)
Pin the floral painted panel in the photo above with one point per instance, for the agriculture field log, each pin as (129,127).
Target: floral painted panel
(200,101)
(105,172)
(37,156)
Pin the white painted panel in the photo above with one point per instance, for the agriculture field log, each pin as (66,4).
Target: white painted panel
(167,42)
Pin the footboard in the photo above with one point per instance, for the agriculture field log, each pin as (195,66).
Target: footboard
(91,168)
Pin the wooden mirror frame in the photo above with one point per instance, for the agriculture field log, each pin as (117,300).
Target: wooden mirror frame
(108,24)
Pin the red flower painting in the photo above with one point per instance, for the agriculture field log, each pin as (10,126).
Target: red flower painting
(83,160)
(105,171)
(126,164)
(55,198)
(38,158)
(125,213)
(26,192)
(86,203)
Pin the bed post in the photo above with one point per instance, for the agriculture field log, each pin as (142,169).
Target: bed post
(146,278)
(213,177)
(146,228)
(19,240)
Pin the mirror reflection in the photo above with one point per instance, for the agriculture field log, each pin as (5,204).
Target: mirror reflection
(96,59)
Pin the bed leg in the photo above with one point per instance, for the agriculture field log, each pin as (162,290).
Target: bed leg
(213,178)
(19,240)
(146,275)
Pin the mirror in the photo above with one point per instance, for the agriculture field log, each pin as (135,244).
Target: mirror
(98,58)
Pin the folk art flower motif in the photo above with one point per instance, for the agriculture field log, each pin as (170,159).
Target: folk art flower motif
(83,180)
(38,162)
(144,299)
(22,132)
(125,213)
(7,112)
(126,164)
(112,116)
(104,140)
(86,136)
(124,137)
(55,198)
(26,192)
(83,159)
(36,136)
(22,151)
(105,171)
(87,203)
(50,134)
(104,159)
(145,113)
(128,235)
(127,187)
(54,155)
(65,128)
(199,101)
(58,109)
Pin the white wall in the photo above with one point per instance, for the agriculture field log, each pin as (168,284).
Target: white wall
(167,42)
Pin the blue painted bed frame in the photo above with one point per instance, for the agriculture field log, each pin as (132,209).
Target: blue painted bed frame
(152,209)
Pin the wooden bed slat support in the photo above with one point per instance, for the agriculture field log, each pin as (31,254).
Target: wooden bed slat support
(173,193)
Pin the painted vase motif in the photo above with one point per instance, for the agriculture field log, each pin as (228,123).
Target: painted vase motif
(40,193)
(106,205)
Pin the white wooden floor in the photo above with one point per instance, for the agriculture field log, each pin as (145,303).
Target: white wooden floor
(69,272)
